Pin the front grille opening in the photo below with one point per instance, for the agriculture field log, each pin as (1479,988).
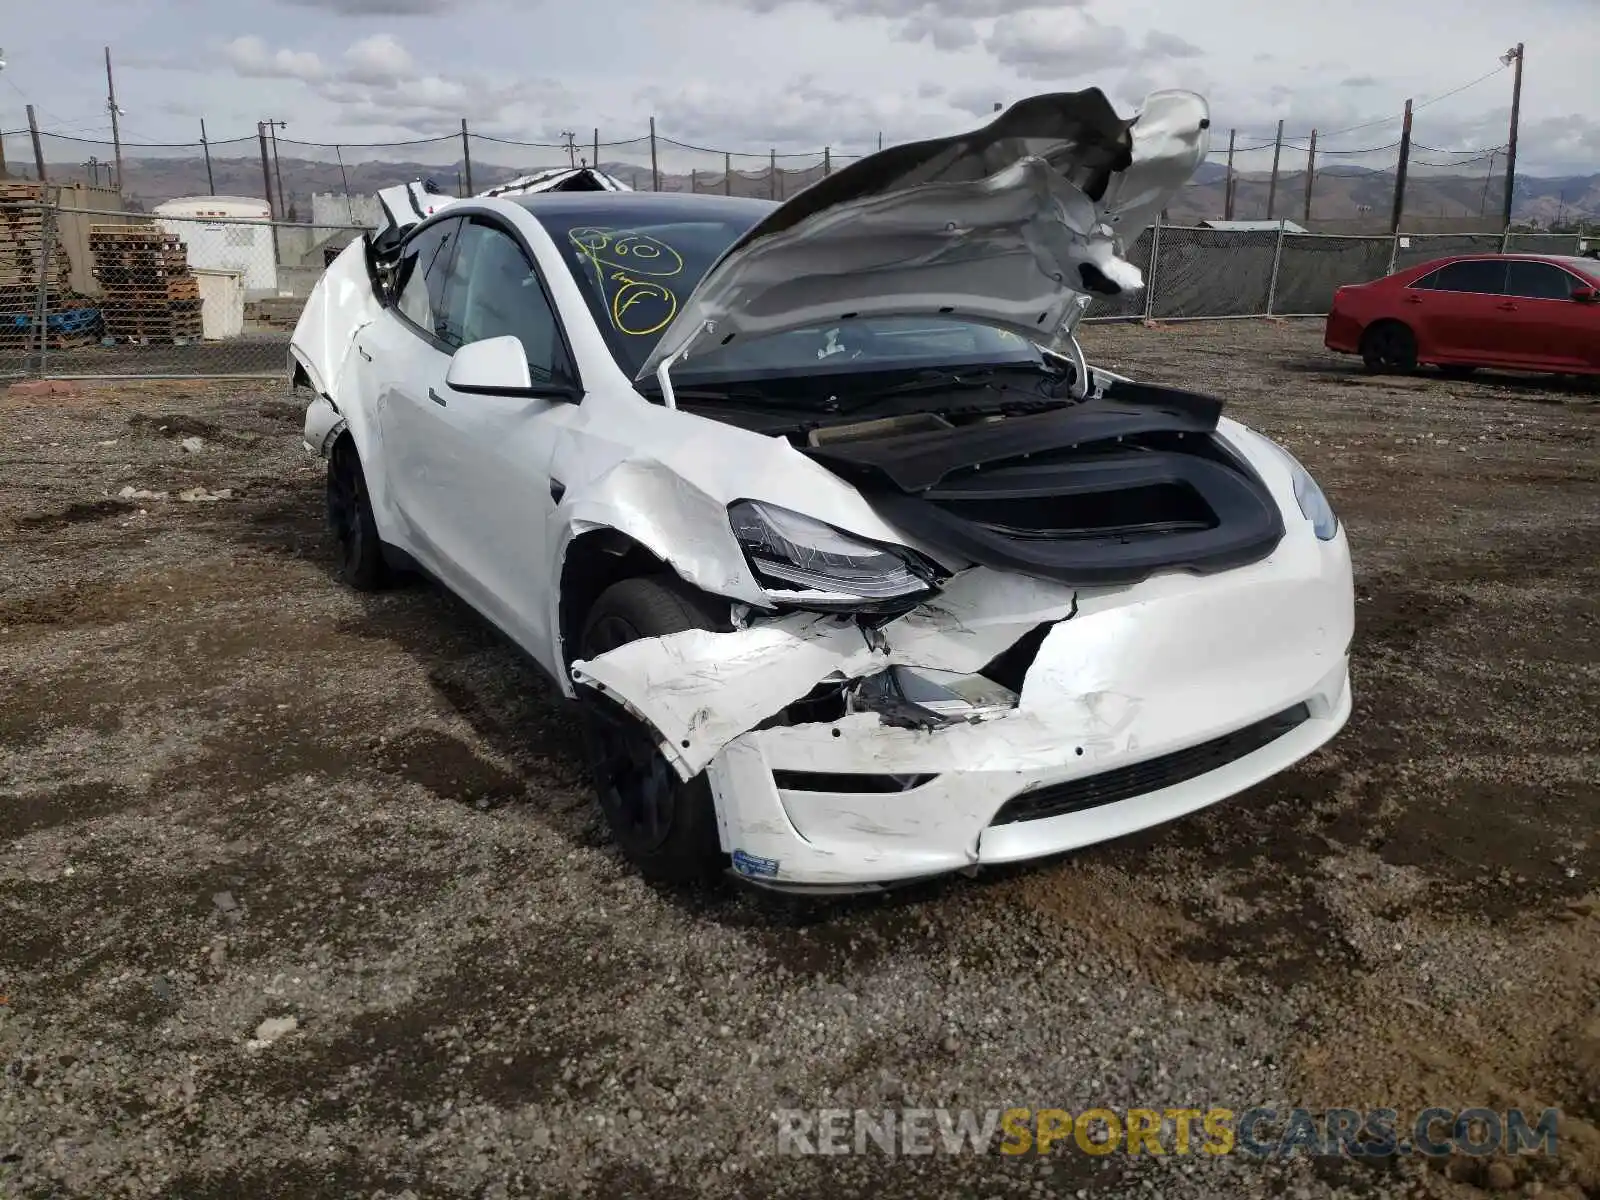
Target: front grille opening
(828,781)
(1010,667)
(1124,783)
(1150,509)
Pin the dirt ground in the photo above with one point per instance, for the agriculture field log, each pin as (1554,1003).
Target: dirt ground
(232,791)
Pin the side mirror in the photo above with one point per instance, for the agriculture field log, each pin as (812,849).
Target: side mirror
(495,366)
(1586,295)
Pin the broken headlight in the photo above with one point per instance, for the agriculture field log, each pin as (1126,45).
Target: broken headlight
(804,562)
(1314,505)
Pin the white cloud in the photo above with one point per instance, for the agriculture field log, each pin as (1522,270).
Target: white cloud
(946,33)
(251,57)
(379,59)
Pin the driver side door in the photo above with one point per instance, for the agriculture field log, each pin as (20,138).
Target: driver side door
(489,454)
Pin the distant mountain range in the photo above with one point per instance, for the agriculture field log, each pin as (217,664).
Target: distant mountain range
(1345,199)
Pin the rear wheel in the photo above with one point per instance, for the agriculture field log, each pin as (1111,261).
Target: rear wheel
(1388,347)
(355,532)
(665,826)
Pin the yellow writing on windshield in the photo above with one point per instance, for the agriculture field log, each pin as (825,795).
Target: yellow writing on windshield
(628,268)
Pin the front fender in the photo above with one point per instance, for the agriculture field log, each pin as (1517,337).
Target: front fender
(679,523)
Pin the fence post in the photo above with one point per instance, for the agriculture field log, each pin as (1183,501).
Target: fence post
(1277,261)
(694,181)
(1311,175)
(1150,277)
(655,168)
(1272,187)
(466,156)
(772,172)
(727,173)
(38,150)
(827,161)
(41,303)
(1505,239)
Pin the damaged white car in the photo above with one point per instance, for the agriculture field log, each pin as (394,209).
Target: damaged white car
(859,572)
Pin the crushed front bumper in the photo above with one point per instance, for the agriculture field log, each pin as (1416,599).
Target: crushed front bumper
(1143,703)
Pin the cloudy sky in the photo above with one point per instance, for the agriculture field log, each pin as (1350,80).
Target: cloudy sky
(798,74)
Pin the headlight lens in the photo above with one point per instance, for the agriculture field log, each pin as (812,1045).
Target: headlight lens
(1314,505)
(803,561)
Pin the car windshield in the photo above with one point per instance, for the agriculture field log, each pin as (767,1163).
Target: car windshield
(636,276)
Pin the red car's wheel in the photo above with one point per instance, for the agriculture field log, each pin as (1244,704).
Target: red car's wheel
(1388,346)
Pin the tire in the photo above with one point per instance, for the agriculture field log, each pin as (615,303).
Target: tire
(357,546)
(1456,370)
(664,826)
(1388,348)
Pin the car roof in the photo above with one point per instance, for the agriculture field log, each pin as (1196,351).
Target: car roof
(663,207)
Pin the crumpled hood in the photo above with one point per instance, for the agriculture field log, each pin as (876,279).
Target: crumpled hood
(1016,225)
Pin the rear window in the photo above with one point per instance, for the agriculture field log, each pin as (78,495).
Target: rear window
(1482,275)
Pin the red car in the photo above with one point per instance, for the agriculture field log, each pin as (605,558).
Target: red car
(1524,312)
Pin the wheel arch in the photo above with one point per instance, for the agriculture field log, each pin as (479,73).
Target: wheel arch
(595,559)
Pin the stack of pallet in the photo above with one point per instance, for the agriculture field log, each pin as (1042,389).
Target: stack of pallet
(150,295)
(21,237)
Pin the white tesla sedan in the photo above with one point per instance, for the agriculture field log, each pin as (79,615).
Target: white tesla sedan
(859,572)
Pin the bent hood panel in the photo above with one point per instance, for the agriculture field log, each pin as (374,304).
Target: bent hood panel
(1015,225)
(340,305)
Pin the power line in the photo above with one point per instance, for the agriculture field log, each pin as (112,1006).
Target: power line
(1456,91)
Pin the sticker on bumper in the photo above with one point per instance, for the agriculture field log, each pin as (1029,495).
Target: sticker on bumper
(750,864)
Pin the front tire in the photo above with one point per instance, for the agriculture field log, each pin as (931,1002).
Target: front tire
(350,519)
(665,826)
(1388,348)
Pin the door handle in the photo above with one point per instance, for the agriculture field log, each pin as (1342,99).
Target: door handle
(362,350)
(1413,299)
(436,398)
(1507,307)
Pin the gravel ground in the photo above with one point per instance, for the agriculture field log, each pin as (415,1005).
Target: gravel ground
(234,793)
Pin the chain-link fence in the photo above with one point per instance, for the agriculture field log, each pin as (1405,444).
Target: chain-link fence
(211,286)
(206,291)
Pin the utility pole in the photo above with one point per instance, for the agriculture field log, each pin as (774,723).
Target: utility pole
(1513,55)
(1227,183)
(206,146)
(111,105)
(572,147)
(1311,175)
(465,185)
(272,126)
(38,148)
(94,170)
(1272,188)
(1400,173)
(266,184)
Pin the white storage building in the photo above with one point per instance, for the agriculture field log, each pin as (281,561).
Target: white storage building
(225,233)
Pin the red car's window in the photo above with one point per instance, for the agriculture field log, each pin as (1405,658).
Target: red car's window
(1485,276)
(1539,281)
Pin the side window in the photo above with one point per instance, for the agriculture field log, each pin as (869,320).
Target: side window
(1428,282)
(494,291)
(1538,281)
(420,274)
(1486,276)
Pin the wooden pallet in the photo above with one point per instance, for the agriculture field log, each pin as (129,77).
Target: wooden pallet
(174,289)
